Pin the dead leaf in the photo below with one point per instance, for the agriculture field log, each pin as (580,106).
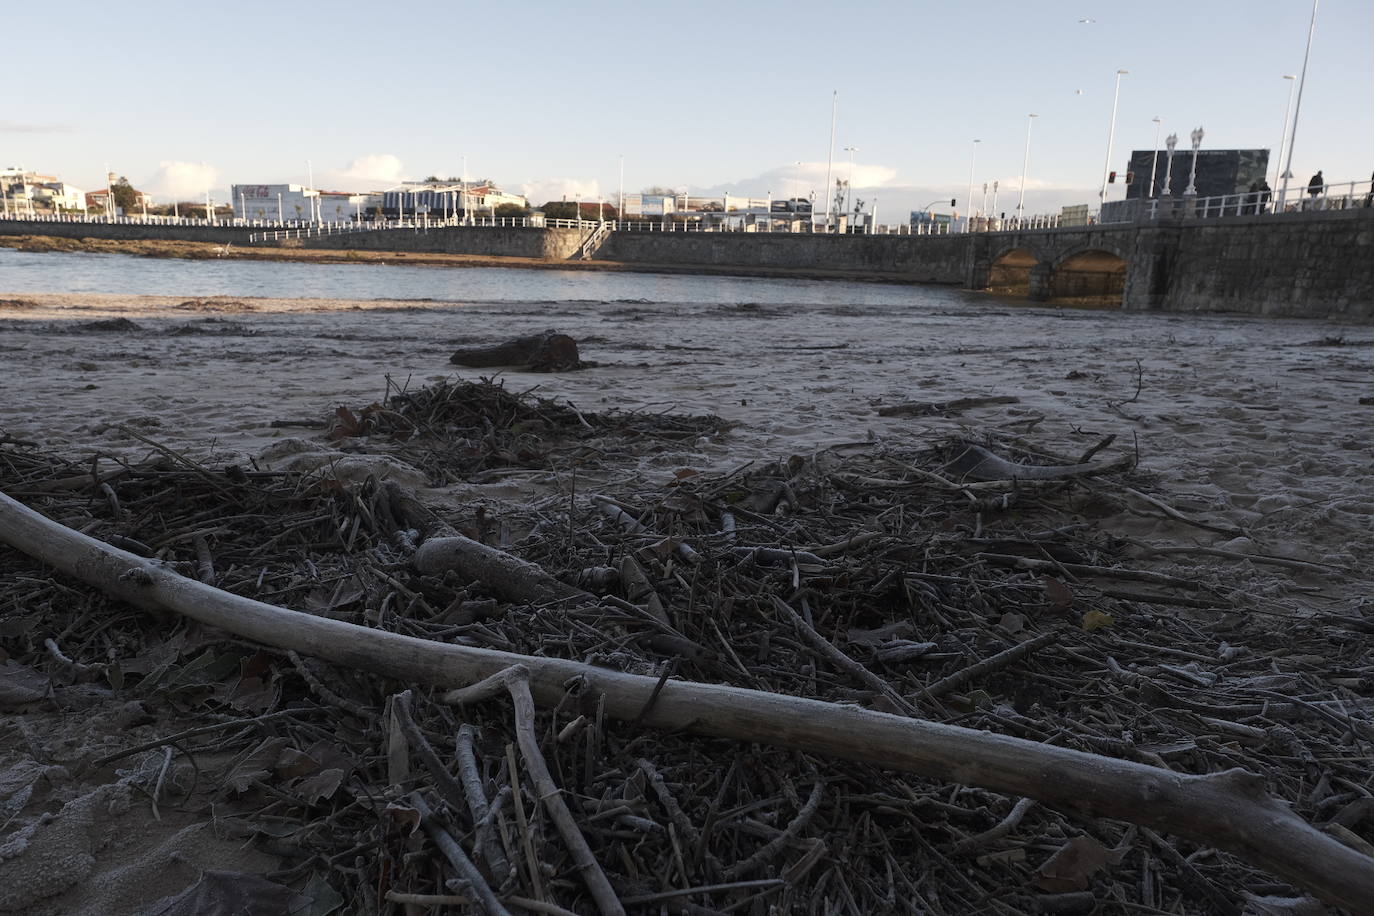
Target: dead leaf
(1096,620)
(1058,594)
(256,765)
(294,763)
(322,785)
(400,820)
(1073,864)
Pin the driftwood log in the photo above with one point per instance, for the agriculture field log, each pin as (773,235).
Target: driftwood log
(1229,810)
(973,462)
(546,352)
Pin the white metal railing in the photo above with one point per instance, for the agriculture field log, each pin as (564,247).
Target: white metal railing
(1345,195)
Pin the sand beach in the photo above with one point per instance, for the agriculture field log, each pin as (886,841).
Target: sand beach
(1249,439)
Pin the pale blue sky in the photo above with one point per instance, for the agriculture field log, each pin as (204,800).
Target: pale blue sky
(546,96)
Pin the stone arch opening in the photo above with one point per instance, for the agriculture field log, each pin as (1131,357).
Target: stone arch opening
(1010,272)
(1092,277)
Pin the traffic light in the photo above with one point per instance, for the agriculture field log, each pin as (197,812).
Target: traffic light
(1130,177)
(1111,178)
(951,201)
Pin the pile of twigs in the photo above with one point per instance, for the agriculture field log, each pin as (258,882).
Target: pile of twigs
(456,428)
(880,576)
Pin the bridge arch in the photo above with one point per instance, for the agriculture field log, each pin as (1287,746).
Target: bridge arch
(1092,274)
(1010,269)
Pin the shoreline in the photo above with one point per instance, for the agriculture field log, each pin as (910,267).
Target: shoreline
(197,251)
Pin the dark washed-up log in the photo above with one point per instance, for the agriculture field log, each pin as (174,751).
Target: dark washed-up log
(1229,810)
(546,352)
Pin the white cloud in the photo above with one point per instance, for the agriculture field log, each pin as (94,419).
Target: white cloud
(541,191)
(373,170)
(182,180)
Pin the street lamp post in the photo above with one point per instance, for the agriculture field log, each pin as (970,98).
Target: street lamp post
(1302,81)
(620,210)
(849,182)
(1025,167)
(830,160)
(1154,160)
(1170,141)
(797,193)
(1283,137)
(995,184)
(1111,135)
(973,159)
(1191,190)
(984,209)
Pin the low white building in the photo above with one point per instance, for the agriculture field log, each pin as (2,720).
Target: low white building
(295,202)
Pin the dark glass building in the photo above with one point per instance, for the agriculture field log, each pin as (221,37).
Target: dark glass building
(1219,171)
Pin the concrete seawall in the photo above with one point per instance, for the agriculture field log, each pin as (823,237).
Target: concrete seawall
(1300,264)
(924,259)
(128,232)
(499,242)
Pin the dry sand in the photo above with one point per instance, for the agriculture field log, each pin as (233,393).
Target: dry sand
(1255,423)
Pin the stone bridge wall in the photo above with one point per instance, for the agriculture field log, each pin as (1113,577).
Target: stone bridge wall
(127,231)
(494,241)
(927,259)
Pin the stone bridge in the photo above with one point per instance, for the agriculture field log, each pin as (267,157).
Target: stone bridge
(1292,264)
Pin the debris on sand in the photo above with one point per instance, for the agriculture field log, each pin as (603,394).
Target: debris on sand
(869,575)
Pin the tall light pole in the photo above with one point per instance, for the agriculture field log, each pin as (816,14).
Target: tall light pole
(1196,137)
(1283,137)
(1170,142)
(995,184)
(830,160)
(1154,161)
(973,159)
(798,193)
(985,199)
(1111,134)
(1302,80)
(1025,167)
(620,210)
(849,182)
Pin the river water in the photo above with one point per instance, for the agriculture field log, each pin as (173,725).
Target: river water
(80,272)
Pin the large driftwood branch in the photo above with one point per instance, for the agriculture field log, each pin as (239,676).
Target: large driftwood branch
(1229,810)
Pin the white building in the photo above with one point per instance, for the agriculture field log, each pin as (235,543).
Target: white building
(295,202)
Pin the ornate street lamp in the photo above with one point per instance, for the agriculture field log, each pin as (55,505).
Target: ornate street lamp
(1191,190)
(1170,141)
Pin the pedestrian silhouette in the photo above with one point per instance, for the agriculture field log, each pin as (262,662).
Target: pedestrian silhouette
(1265,194)
(1315,186)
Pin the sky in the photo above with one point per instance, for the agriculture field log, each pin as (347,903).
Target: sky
(719,97)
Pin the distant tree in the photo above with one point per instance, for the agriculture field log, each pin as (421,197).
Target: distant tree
(511,210)
(560,209)
(125,197)
(658,191)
